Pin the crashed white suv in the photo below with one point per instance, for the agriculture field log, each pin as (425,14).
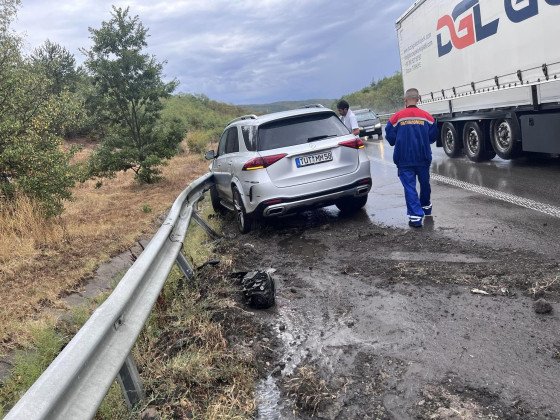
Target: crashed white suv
(280,163)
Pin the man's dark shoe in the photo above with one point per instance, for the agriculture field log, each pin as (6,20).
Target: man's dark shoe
(427,210)
(415,221)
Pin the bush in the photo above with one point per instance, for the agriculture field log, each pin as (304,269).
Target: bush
(199,141)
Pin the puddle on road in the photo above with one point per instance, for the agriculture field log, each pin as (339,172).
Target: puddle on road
(268,400)
(269,403)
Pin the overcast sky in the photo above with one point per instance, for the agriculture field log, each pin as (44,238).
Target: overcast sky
(243,51)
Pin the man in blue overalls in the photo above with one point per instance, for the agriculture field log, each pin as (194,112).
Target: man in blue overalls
(411,131)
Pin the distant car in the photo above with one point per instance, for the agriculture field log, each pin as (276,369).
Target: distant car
(281,163)
(369,123)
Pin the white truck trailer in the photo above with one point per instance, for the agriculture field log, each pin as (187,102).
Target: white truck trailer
(489,71)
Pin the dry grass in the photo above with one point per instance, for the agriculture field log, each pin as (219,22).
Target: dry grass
(307,390)
(24,231)
(40,262)
(189,368)
(541,287)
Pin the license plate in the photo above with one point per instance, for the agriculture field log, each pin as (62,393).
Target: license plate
(313,159)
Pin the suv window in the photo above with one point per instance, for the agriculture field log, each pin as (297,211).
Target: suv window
(222,145)
(229,142)
(299,130)
(250,137)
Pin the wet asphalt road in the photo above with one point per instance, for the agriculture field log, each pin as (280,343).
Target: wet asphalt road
(527,218)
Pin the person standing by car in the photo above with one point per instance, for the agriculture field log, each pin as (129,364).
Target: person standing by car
(411,131)
(348,117)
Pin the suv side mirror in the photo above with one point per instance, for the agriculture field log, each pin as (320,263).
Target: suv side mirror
(210,154)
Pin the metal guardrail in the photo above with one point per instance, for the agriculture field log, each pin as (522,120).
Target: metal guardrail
(75,383)
(384,118)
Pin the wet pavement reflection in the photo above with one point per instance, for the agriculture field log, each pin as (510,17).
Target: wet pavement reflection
(468,215)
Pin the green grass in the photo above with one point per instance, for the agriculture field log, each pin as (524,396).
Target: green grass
(47,340)
(46,343)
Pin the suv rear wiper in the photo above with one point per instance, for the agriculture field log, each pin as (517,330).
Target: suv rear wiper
(316,138)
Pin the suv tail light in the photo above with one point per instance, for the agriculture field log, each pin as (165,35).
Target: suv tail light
(262,162)
(355,143)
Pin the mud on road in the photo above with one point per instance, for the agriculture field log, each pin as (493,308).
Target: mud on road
(373,322)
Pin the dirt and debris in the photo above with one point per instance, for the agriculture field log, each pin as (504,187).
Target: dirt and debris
(542,306)
(376,323)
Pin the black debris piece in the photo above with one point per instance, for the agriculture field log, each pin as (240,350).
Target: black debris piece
(258,289)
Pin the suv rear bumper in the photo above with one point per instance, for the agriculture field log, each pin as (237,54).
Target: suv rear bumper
(321,199)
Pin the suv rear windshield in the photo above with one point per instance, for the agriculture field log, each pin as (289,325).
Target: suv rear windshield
(299,130)
(362,116)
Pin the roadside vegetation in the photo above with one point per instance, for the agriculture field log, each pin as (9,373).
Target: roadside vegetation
(67,199)
(382,96)
(85,172)
(192,353)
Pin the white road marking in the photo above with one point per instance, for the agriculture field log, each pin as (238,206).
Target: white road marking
(498,195)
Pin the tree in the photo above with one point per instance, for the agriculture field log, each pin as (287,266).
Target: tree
(8,9)
(58,65)
(130,90)
(32,161)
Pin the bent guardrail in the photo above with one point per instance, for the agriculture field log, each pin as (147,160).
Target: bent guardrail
(75,383)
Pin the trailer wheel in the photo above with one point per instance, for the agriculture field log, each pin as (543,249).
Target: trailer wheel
(475,142)
(505,139)
(450,140)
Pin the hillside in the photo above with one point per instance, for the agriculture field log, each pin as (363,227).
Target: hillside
(383,96)
(286,105)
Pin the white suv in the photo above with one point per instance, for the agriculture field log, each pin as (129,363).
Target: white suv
(280,163)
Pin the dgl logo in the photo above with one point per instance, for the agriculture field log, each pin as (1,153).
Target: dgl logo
(471,28)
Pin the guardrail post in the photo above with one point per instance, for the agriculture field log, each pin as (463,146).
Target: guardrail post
(130,382)
(184,266)
(211,232)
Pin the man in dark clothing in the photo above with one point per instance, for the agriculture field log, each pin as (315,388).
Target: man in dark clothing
(411,131)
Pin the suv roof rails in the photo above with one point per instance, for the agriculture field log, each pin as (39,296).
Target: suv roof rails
(313,106)
(243,117)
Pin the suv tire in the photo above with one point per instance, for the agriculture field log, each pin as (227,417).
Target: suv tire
(216,202)
(243,220)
